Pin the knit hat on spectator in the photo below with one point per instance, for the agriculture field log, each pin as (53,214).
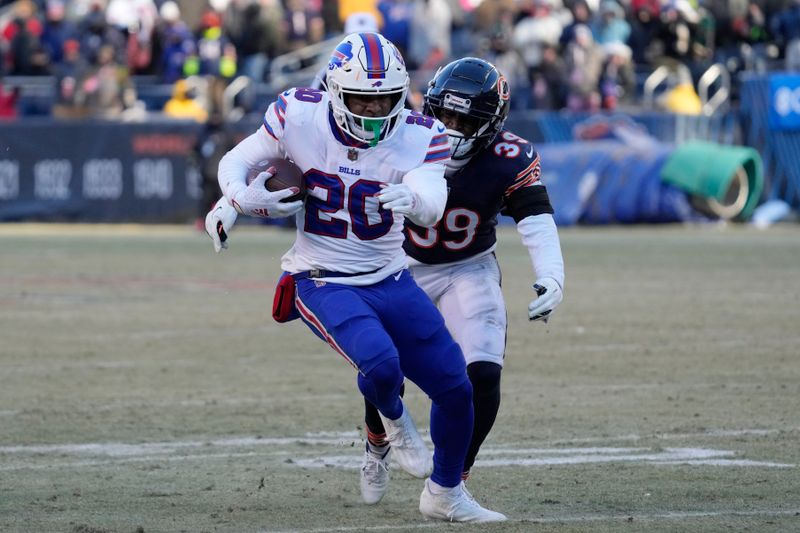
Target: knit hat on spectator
(169,11)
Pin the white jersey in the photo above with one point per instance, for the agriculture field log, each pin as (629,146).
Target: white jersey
(342,228)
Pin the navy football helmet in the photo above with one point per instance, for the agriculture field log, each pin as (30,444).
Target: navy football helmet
(475,90)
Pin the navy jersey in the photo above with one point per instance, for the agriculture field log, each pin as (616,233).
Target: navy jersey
(502,178)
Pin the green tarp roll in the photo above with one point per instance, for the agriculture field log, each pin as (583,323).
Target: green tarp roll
(728,178)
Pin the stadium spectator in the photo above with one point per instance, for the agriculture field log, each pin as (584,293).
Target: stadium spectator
(397,15)
(489,14)
(107,86)
(70,73)
(509,61)
(214,58)
(346,8)
(539,27)
(184,104)
(302,25)
(8,102)
(617,79)
(584,62)
(548,81)
(785,28)
(645,27)
(610,26)
(740,35)
(174,43)
(21,37)
(429,39)
(251,33)
(682,98)
(581,14)
(57,30)
(136,21)
(95,33)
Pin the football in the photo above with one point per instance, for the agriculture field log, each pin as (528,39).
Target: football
(287,175)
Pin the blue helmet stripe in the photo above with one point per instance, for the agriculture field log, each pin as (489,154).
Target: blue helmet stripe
(375,64)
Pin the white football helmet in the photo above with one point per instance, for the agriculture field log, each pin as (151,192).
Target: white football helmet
(366,64)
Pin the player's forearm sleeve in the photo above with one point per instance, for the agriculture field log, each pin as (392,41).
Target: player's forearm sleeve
(428,184)
(540,237)
(233,166)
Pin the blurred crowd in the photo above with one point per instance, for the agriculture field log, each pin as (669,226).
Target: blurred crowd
(575,54)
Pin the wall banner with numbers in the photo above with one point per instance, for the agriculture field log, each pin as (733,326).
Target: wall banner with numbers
(98,171)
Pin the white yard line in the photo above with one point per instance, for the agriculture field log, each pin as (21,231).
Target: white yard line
(635,517)
(304,456)
(343,438)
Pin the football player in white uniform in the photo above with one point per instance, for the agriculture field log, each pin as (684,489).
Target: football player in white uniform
(368,165)
(491,170)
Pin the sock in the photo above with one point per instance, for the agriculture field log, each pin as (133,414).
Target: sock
(377,444)
(435,488)
(378,451)
(485,379)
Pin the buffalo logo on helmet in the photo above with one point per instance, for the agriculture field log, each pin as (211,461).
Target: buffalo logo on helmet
(341,56)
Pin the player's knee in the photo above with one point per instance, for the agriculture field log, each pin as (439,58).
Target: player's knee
(386,375)
(485,377)
(455,397)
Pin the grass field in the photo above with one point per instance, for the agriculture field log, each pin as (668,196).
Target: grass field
(144,387)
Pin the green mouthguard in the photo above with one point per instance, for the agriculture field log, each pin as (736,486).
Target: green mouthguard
(374,125)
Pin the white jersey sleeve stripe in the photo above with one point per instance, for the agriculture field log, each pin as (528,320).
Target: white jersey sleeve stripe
(438,157)
(269,129)
(280,109)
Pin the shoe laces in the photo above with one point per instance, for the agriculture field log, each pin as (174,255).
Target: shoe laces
(462,498)
(467,493)
(404,441)
(374,464)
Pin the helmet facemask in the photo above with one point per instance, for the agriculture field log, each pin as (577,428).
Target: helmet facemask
(478,128)
(362,127)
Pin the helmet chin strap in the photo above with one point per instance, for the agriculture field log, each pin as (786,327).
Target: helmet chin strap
(374,125)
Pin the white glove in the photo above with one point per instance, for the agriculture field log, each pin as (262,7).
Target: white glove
(219,222)
(549,296)
(257,201)
(399,198)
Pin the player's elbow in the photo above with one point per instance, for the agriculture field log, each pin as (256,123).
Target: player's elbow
(429,210)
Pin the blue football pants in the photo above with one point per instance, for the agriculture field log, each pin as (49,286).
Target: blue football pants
(388,331)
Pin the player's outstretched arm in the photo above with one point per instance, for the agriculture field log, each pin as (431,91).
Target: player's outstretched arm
(540,236)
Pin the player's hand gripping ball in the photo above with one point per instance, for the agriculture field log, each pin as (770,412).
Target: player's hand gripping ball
(286,175)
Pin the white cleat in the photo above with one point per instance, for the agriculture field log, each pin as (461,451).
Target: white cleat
(374,476)
(408,448)
(455,505)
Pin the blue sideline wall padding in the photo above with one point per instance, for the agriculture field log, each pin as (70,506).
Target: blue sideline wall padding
(608,182)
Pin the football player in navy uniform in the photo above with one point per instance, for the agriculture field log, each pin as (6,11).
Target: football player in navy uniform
(492,171)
